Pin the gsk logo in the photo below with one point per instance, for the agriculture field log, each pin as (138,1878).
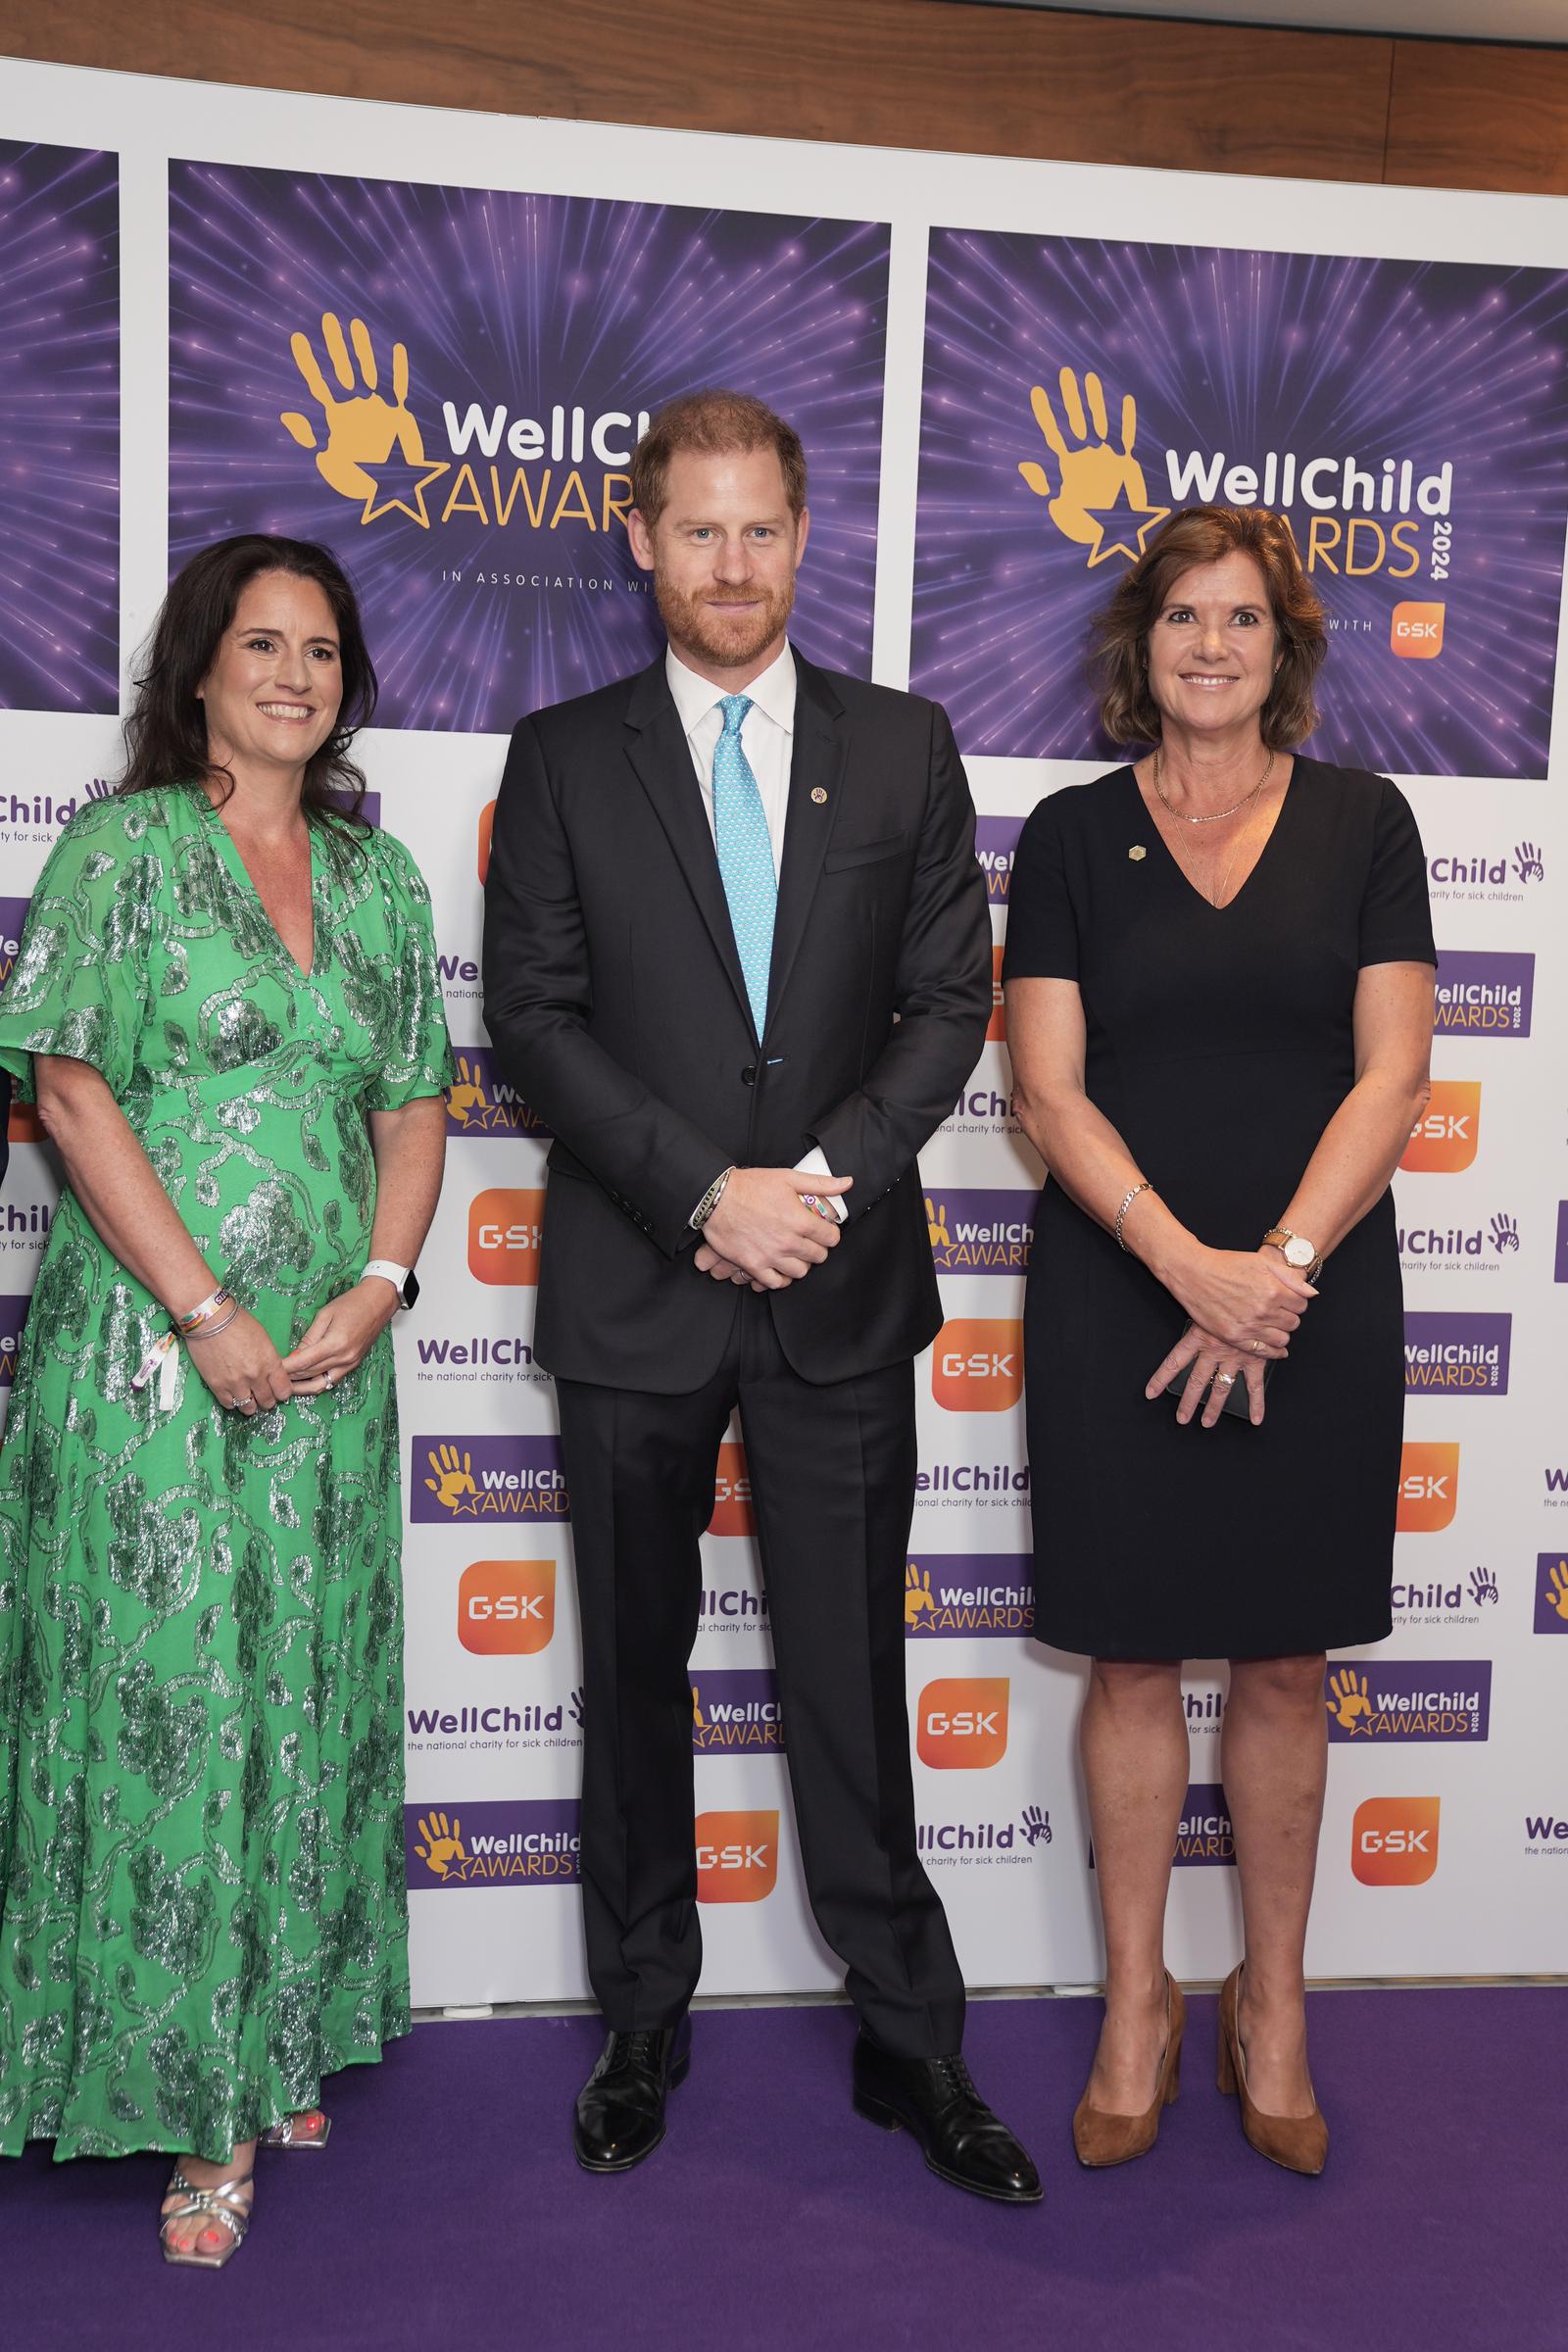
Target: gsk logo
(963,1724)
(504,1230)
(977,1365)
(737,1856)
(1429,1488)
(487,820)
(23,1125)
(1394,1840)
(732,1494)
(996,1028)
(1444,1138)
(1415,631)
(507,1607)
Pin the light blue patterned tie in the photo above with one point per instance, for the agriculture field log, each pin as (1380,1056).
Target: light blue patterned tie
(745,855)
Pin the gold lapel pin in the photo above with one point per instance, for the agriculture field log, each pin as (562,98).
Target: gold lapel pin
(1137,851)
(818,794)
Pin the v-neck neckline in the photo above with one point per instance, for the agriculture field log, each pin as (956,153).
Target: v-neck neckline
(1175,864)
(240,872)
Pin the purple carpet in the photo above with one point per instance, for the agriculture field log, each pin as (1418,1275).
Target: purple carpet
(448,2212)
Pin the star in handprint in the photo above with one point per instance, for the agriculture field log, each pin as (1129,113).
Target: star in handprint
(1349,1702)
(466,1099)
(453,1482)
(917,1601)
(443,1849)
(363,427)
(1102,502)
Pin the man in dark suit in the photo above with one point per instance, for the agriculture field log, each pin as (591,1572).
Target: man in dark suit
(737,955)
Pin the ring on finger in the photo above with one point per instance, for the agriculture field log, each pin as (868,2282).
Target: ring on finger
(1224,1380)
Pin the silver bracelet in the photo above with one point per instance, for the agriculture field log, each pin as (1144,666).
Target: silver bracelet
(1142,1187)
(709,1201)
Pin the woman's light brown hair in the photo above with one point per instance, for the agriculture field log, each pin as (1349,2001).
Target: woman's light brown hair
(1128,711)
(716,424)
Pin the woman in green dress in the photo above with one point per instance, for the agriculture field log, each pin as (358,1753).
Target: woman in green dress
(227,1007)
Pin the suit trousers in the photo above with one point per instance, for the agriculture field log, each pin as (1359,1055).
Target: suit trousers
(832,1471)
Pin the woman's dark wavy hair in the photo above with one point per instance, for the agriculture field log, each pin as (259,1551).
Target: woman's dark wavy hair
(1196,535)
(166,730)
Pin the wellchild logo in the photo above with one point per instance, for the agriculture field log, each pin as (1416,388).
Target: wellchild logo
(1445,1138)
(506,1608)
(948,1593)
(488,1478)
(1429,1487)
(522,1841)
(1095,488)
(962,1723)
(736,1713)
(1456,1355)
(984,1841)
(1547,1834)
(479,1101)
(1483,993)
(967,1486)
(737,1856)
(1460,1249)
(505,1226)
(495,1727)
(996,842)
(1204,1833)
(732,1609)
(732,1494)
(984,1110)
(977,1365)
(1410,1698)
(1551,1592)
(1440,1603)
(1394,1840)
(13,923)
(1528,863)
(980,1231)
(13,1315)
(36,816)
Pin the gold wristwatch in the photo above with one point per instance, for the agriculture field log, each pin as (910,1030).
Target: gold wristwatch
(1299,1254)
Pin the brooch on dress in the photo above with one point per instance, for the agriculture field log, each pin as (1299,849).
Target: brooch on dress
(1137,851)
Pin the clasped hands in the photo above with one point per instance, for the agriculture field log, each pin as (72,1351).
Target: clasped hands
(763,1234)
(1243,1304)
(246,1374)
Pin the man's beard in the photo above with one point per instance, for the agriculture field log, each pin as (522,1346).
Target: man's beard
(727,642)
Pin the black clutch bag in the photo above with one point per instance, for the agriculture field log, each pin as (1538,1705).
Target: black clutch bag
(1237,1399)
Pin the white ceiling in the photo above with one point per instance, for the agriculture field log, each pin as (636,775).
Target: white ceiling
(1544,21)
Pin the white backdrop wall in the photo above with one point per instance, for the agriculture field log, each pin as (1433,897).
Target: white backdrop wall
(1445,1843)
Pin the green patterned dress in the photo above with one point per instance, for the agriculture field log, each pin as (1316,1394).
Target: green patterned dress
(201,1906)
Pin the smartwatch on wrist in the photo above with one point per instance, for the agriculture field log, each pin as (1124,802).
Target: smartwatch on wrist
(403,1279)
(1299,1253)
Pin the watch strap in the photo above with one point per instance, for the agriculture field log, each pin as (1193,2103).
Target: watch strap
(400,1277)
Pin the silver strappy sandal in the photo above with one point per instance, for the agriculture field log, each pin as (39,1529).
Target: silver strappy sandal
(308,2130)
(219,2204)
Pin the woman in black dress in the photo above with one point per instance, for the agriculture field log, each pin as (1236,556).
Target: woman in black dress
(1219,975)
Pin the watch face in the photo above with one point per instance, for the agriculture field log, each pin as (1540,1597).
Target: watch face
(1299,1252)
(411,1287)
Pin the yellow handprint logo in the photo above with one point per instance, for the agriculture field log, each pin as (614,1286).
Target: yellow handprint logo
(698,1717)
(453,1479)
(1349,1702)
(1557,1590)
(917,1601)
(443,1845)
(467,1097)
(363,427)
(1102,502)
(936,1217)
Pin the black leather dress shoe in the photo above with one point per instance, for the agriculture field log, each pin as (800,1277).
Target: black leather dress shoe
(935,2099)
(620,2116)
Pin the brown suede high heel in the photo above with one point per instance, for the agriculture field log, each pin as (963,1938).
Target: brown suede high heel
(1101,2139)
(1299,2142)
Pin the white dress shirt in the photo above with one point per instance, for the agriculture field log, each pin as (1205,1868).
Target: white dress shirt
(768,738)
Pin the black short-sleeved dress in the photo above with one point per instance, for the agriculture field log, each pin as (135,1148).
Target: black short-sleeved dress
(1219,1046)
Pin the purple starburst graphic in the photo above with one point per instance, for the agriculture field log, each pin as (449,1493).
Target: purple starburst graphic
(58,428)
(472,488)
(1445,384)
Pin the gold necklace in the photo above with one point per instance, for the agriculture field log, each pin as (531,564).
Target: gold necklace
(1215,814)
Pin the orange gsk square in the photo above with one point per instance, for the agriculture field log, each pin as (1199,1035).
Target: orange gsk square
(487,818)
(996,1028)
(977,1365)
(737,1856)
(962,1723)
(732,1494)
(1445,1137)
(1394,1840)
(1429,1487)
(507,1607)
(504,1230)
(1416,632)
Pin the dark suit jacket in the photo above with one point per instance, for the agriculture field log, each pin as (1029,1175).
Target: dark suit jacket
(614,999)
